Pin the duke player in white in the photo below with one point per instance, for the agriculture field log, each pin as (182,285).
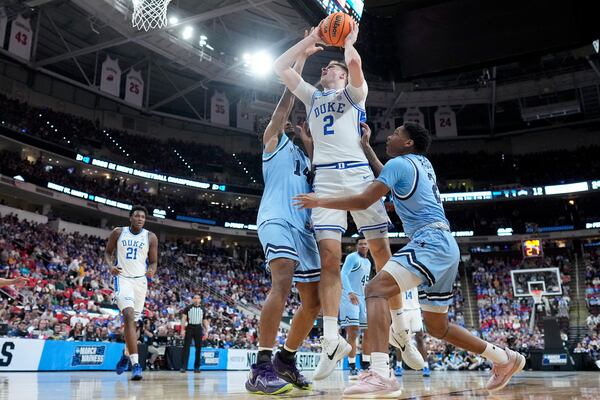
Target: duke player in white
(342,169)
(136,260)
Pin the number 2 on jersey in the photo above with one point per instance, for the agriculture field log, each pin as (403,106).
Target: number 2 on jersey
(328,123)
(131,253)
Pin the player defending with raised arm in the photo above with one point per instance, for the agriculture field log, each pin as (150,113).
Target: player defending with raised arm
(290,251)
(429,260)
(136,261)
(342,169)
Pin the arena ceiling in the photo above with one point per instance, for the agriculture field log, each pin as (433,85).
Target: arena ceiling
(74,38)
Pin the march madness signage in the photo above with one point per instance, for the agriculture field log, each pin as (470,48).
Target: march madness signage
(238,359)
(88,355)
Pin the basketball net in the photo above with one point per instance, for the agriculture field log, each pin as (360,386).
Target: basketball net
(149,14)
(537,299)
(537,296)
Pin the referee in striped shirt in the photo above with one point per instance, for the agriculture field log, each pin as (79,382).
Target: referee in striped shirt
(192,321)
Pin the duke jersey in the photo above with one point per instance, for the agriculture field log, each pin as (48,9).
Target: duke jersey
(285,173)
(132,253)
(410,300)
(334,117)
(414,191)
(355,273)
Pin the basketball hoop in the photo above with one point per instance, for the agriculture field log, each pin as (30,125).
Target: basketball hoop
(537,296)
(149,14)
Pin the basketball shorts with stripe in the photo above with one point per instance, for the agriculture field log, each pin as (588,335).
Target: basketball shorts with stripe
(130,293)
(353,314)
(280,239)
(373,222)
(432,255)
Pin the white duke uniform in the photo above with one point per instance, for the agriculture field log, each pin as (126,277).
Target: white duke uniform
(411,310)
(131,284)
(342,168)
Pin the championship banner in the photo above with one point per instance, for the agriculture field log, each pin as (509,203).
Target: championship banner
(219,109)
(3,25)
(445,122)
(110,77)
(238,359)
(245,117)
(21,37)
(20,354)
(134,88)
(413,114)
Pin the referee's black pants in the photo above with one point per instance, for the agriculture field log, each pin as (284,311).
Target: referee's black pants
(192,332)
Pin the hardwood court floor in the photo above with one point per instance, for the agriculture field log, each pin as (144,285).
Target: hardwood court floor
(230,385)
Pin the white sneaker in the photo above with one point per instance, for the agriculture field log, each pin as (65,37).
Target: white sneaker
(410,354)
(332,351)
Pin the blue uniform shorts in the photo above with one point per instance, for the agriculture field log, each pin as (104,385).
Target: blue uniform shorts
(352,314)
(432,255)
(279,239)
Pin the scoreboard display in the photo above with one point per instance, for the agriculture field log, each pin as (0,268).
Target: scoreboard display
(353,8)
(532,248)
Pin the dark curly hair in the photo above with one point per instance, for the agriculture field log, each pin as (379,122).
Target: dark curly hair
(419,135)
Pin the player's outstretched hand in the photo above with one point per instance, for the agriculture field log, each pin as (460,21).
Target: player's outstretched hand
(353,35)
(306,200)
(366,134)
(303,131)
(314,48)
(315,34)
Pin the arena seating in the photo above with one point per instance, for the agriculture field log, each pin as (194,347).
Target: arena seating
(68,295)
(88,136)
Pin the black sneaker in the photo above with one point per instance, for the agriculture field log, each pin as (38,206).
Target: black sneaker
(290,373)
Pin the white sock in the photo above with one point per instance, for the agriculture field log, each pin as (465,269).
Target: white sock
(495,354)
(398,322)
(380,363)
(133,358)
(366,357)
(330,328)
(399,364)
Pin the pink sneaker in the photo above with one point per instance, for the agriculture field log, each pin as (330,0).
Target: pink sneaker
(501,373)
(374,386)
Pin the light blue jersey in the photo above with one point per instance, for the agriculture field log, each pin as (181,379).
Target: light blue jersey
(355,273)
(285,173)
(432,253)
(284,230)
(414,192)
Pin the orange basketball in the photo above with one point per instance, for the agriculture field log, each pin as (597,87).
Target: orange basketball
(335,28)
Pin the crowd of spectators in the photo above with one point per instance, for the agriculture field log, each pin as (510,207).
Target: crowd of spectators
(68,295)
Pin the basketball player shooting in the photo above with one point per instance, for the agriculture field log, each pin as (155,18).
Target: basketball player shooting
(429,260)
(342,169)
(136,261)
